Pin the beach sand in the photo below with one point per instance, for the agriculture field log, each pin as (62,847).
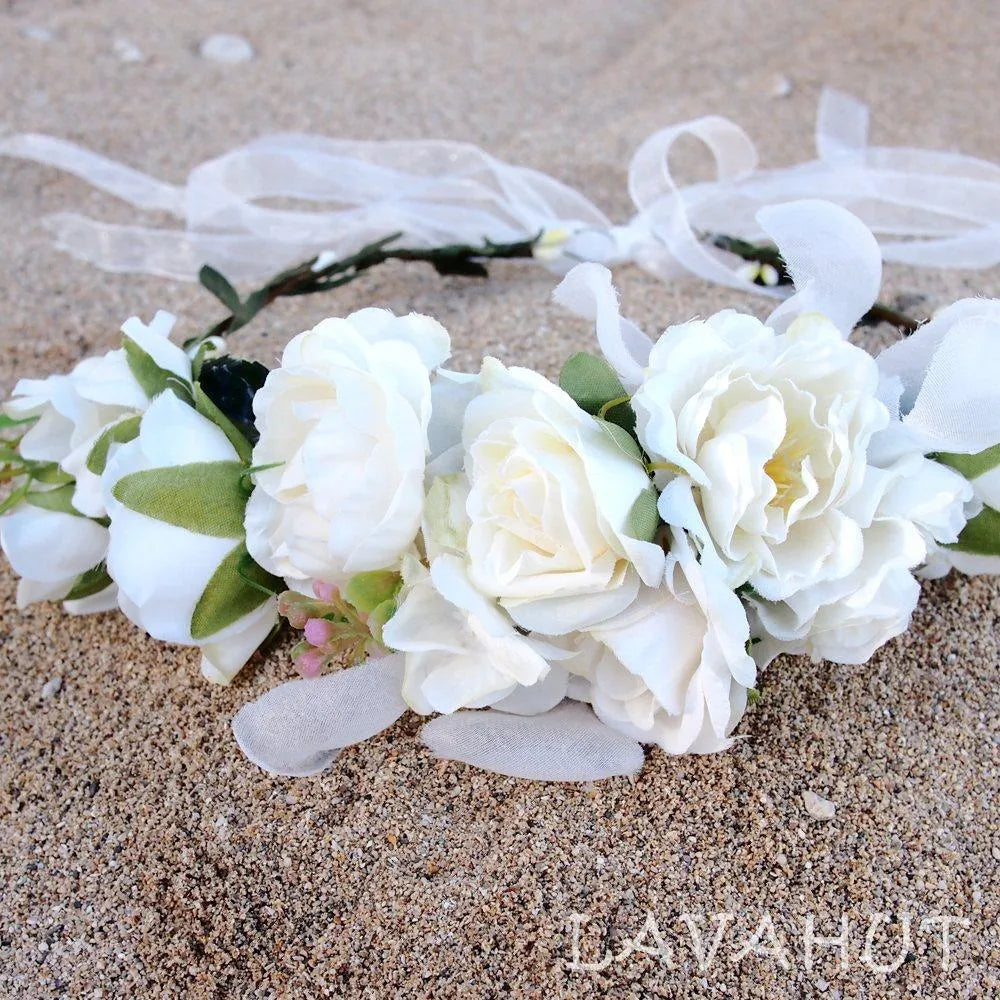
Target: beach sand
(142,855)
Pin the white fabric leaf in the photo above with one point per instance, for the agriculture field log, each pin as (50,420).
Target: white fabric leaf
(298,728)
(568,743)
(833,258)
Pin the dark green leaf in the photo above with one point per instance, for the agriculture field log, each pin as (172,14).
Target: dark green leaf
(216,283)
(206,498)
(972,466)
(644,519)
(981,536)
(461,266)
(366,591)
(151,377)
(257,577)
(231,383)
(208,409)
(226,599)
(60,499)
(93,581)
(119,433)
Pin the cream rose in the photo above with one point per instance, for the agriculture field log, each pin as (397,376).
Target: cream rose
(550,493)
(343,426)
(772,431)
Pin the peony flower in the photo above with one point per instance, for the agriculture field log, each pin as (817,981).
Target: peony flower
(461,650)
(176,499)
(772,431)
(673,668)
(551,490)
(343,446)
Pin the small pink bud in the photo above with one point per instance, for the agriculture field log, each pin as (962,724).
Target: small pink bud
(326,592)
(310,663)
(319,631)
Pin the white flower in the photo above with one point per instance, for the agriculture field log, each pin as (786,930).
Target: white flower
(49,550)
(846,620)
(74,410)
(673,669)
(344,420)
(461,650)
(945,382)
(772,431)
(166,571)
(550,493)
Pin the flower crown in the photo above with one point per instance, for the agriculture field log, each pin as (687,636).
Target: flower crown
(559,573)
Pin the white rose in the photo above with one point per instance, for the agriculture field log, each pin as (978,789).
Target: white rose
(172,579)
(51,549)
(344,420)
(74,410)
(550,493)
(673,669)
(772,431)
(846,620)
(461,651)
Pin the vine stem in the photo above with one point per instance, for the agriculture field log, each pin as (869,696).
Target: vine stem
(461,259)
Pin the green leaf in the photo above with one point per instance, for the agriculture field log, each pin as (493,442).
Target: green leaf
(151,377)
(216,283)
(60,499)
(15,497)
(206,498)
(254,575)
(208,409)
(366,591)
(753,697)
(379,616)
(972,466)
(981,536)
(644,519)
(621,438)
(48,473)
(119,433)
(591,382)
(93,581)
(7,421)
(226,599)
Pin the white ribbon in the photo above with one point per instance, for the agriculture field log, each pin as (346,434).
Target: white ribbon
(926,208)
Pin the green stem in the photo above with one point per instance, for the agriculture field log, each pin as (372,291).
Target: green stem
(457,259)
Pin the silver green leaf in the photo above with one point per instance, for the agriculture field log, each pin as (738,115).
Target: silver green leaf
(91,582)
(207,498)
(60,499)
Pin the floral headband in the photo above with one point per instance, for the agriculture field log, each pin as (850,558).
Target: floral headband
(559,573)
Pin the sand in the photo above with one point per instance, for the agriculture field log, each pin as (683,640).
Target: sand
(143,856)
